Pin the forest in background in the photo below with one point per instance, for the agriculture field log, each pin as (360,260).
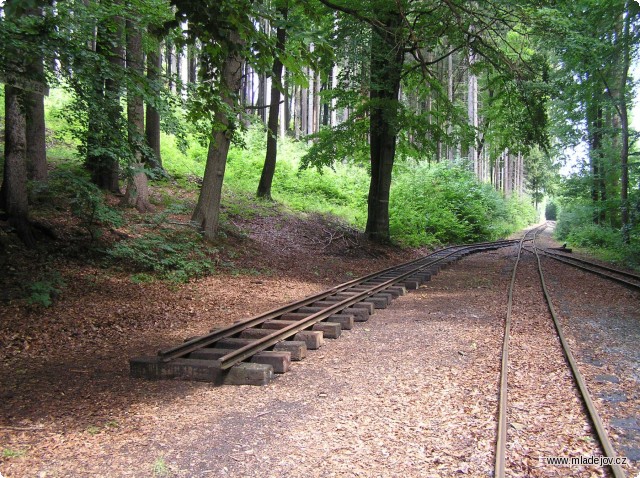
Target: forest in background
(421,122)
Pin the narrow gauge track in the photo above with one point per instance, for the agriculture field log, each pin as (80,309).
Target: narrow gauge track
(622,277)
(250,351)
(500,455)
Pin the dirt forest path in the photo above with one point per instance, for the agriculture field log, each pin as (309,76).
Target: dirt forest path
(411,393)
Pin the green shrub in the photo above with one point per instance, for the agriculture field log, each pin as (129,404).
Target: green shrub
(86,200)
(172,255)
(444,204)
(551,211)
(575,226)
(43,292)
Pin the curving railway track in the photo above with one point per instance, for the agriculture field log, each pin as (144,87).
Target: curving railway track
(625,278)
(251,351)
(611,459)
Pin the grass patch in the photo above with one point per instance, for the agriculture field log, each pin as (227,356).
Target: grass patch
(11,453)
(160,468)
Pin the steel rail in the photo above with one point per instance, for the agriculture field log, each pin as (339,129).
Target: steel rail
(236,356)
(233,329)
(214,336)
(579,263)
(607,447)
(501,442)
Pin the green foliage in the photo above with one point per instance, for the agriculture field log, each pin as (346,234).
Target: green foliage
(576,227)
(174,255)
(44,292)
(160,468)
(86,200)
(11,453)
(456,206)
(551,211)
(445,204)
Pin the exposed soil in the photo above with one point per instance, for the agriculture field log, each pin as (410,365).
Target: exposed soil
(412,392)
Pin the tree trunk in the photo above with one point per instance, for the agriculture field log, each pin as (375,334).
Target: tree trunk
(13,197)
(624,125)
(192,64)
(104,167)
(472,111)
(334,85)
(269,169)
(207,210)
(152,126)
(315,125)
(36,142)
(168,58)
(179,56)
(297,112)
(386,70)
(260,111)
(450,149)
(137,194)
(304,107)
(594,128)
(287,104)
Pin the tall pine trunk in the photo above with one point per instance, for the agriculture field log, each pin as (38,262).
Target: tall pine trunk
(624,125)
(269,168)
(13,196)
(101,161)
(152,124)
(137,194)
(36,142)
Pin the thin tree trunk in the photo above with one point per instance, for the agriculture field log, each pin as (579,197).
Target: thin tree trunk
(316,103)
(262,81)
(297,111)
(104,167)
(287,104)
(207,210)
(137,193)
(169,64)
(334,85)
(450,149)
(152,125)
(624,125)
(304,108)
(192,64)
(269,169)
(594,125)
(179,58)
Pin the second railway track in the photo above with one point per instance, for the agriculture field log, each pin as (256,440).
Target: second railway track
(554,389)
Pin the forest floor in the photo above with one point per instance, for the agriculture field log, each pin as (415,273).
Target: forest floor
(410,393)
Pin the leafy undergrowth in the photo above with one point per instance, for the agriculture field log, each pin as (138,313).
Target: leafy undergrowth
(88,228)
(576,227)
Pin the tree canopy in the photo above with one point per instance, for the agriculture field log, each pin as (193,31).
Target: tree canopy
(499,87)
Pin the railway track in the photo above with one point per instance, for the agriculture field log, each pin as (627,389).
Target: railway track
(253,350)
(594,418)
(628,279)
